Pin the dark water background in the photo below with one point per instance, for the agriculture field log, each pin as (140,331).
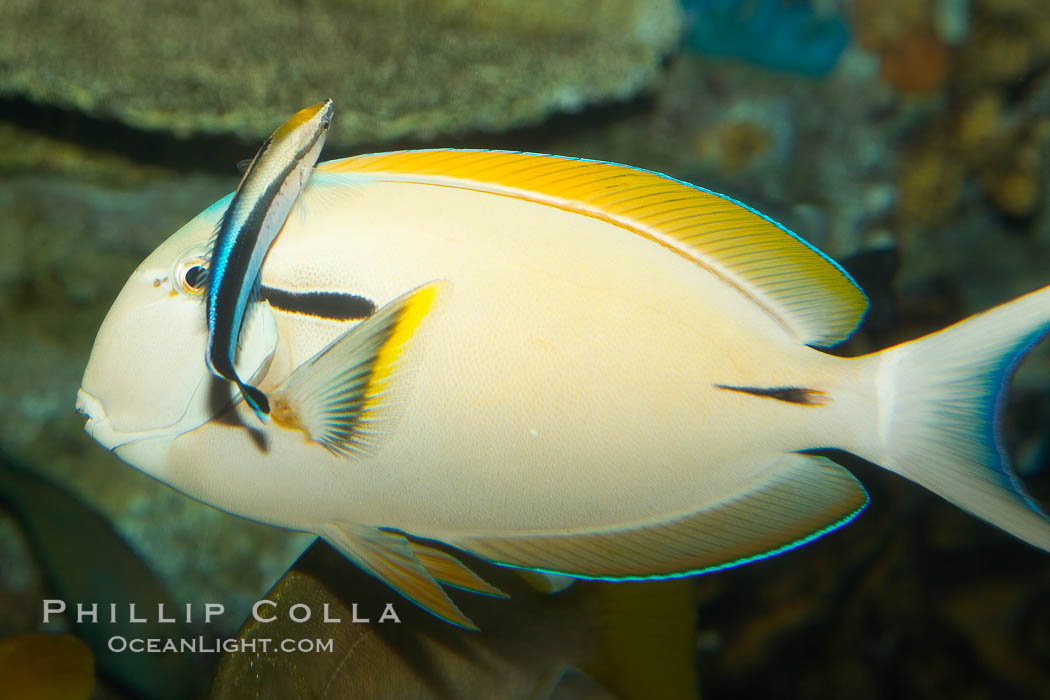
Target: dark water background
(906,138)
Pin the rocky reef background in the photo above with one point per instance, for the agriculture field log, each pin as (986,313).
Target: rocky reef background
(907,138)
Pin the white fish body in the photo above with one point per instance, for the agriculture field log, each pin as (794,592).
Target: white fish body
(584,396)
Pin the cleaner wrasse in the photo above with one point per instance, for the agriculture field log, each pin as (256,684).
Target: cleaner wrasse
(269,189)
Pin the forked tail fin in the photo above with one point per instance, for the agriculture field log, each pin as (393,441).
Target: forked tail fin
(940,402)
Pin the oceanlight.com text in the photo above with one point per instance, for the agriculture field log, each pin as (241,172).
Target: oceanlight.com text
(204,645)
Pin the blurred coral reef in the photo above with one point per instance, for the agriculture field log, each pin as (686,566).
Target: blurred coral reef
(398,68)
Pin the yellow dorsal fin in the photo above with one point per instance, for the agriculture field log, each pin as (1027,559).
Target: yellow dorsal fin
(813,298)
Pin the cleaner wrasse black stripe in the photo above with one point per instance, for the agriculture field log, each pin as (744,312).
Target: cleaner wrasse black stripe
(263,200)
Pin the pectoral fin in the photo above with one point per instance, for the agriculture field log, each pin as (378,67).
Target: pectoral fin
(389,557)
(796,499)
(342,398)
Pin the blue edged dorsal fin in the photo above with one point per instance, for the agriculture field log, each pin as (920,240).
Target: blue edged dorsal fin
(807,293)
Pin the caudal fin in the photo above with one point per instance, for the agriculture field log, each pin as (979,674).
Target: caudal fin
(940,403)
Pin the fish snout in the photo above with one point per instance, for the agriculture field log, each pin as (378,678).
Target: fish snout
(97,425)
(88,405)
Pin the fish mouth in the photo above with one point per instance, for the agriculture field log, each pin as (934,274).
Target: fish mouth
(88,405)
(100,427)
(97,425)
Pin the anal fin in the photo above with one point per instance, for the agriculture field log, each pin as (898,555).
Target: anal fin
(796,498)
(449,570)
(389,557)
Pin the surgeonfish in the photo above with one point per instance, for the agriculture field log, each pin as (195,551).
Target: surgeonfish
(268,190)
(575,367)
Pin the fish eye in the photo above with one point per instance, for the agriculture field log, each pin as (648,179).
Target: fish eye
(195,277)
(191,275)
